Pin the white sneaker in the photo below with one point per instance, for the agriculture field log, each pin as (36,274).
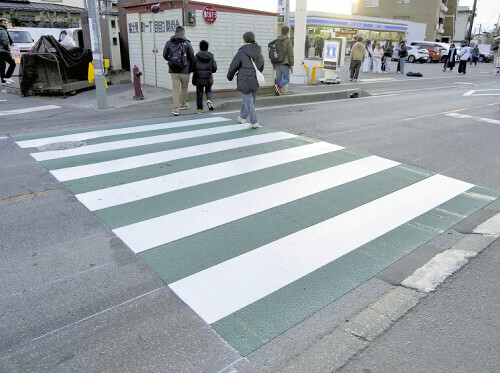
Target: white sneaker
(255,125)
(241,120)
(9,80)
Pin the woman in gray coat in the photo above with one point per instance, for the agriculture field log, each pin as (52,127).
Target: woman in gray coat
(247,78)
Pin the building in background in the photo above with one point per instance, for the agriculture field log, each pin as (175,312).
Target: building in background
(438,15)
(62,15)
(463,23)
(323,25)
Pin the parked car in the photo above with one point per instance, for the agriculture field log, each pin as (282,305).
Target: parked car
(22,38)
(415,53)
(433,49)
(485,57)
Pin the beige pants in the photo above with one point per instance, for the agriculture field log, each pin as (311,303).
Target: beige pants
(180,83)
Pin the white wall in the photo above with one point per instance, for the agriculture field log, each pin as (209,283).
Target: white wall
(416,31)
(225,36)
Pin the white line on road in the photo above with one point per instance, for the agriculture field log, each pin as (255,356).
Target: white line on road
(464,116)
(220,290)
(473,92)
(29,110)
(150,233)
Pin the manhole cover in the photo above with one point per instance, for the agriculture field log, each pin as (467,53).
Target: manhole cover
(61,145)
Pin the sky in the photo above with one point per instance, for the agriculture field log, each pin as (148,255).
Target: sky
(487,10)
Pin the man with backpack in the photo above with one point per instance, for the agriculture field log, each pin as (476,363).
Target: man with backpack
(179,54)
(281,56)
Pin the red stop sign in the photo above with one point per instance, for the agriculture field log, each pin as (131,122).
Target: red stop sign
(209,14)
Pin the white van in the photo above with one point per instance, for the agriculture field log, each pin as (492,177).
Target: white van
(22,39)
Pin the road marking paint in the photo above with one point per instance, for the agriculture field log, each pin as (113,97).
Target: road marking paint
(81,136)
(464,116)
(464,83)
(29,110)
(428,277)
(123,144)
(135,191)
(100,168)
(220,290)
(473,92)
(164,229)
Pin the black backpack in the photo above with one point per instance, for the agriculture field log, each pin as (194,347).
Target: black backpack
(276,51)
(177,56)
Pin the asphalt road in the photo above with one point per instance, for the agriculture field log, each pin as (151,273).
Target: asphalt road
(113,314)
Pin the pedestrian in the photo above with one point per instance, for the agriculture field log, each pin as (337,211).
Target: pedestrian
(450,58)
(307,46)
(179,54)
(5,56)
(320,44)
(358,54)
(204,66)
(285,67)
(402,53)
(377,54)
(367,63)
(243,64)
(464,55)
(388,51)
(474,55)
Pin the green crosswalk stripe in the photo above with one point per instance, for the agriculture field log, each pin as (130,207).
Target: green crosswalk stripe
(280,218)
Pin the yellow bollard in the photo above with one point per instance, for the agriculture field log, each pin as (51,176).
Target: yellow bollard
(313,78)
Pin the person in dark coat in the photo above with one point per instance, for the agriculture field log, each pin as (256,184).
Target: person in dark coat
(204,66)
(5,56)
(450,59)
(247,78)
(180,79)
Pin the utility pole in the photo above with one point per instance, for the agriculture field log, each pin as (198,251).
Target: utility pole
(96,42)
(469,35)
(286,21)
(299,72)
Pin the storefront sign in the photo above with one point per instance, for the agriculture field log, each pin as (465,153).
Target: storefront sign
(209,14)
(355,24)
(331,54)
(348,31)
(156,26)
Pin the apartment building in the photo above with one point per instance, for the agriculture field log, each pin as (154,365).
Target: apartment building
(438,15)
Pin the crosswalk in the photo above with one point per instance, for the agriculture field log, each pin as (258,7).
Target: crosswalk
(255,230)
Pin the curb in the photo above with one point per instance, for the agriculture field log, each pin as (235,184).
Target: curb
(263,100)
(334,350)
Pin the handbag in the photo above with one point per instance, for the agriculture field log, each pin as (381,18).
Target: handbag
(260,77)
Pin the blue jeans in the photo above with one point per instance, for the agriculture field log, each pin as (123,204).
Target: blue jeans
(248,107)
(282,75)
(402,62)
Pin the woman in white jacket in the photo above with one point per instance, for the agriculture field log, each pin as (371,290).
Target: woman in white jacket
(464,55)
(368,60)
(377,54)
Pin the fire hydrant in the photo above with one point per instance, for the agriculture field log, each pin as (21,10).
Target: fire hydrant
(137,84)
